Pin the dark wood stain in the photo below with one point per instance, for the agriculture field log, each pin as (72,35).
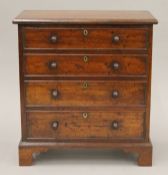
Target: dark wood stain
(85,103)
(98,93)
(74,65)
(98,124)
(39,38)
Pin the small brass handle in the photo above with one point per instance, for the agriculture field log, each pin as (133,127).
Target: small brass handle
(116,38)
(115,124)
(85,85)
(85,32)
(115,65)
(85,115)
(52,64)
(54,93)
(115,94)
(54,125)
(85,59)
(53,38)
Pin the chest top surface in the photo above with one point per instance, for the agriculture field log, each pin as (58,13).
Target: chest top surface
(86,17)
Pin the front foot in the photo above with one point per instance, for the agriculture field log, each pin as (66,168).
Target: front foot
(145,156)
(26,154)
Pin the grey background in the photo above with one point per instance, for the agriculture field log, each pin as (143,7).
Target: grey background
(86,162)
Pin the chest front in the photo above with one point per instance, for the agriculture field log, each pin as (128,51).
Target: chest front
(85,85)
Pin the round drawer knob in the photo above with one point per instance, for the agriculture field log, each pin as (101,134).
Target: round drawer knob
(52,64)
(53,38)
(54,93)
(85,115)
(115,125)
(115,65)
(55,124)
(116,38)
(115,94)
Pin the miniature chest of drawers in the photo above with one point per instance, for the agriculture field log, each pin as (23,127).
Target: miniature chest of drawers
(85,81)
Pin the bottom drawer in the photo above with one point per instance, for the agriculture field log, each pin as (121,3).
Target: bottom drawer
(85,125)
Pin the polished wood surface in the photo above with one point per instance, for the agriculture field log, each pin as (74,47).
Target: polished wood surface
(71,65)
(74,93)
(85,16)
(74,125)
(74,38)
(143,150)
(85,82)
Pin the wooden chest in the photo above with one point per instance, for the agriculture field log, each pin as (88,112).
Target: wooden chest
(85,81)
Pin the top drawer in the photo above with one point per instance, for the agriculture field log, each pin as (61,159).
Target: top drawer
(85,38)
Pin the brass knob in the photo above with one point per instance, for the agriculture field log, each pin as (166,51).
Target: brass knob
(115,125)
(116,38)
(85,32)
(52,64)
(115,94)
(85,115)
(53,38)
(115,65)
(85,85)
(54,124)
(85,59)
(54,93)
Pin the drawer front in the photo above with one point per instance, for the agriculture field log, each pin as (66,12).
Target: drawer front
(85,125)
(85,38)
(85,93)
(84,65)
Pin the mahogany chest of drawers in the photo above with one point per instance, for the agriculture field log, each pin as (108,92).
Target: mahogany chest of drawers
(85,81)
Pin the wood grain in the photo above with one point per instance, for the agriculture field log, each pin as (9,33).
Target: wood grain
(144,150)
(85,16)
(85,87)
(72,93)
(73,38)
(74,65)
(72,125)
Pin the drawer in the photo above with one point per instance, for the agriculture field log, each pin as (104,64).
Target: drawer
(85,125)
(85,38)
(85,65)
(78,93)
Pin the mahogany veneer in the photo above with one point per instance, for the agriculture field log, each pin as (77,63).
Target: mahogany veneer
(85,81)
